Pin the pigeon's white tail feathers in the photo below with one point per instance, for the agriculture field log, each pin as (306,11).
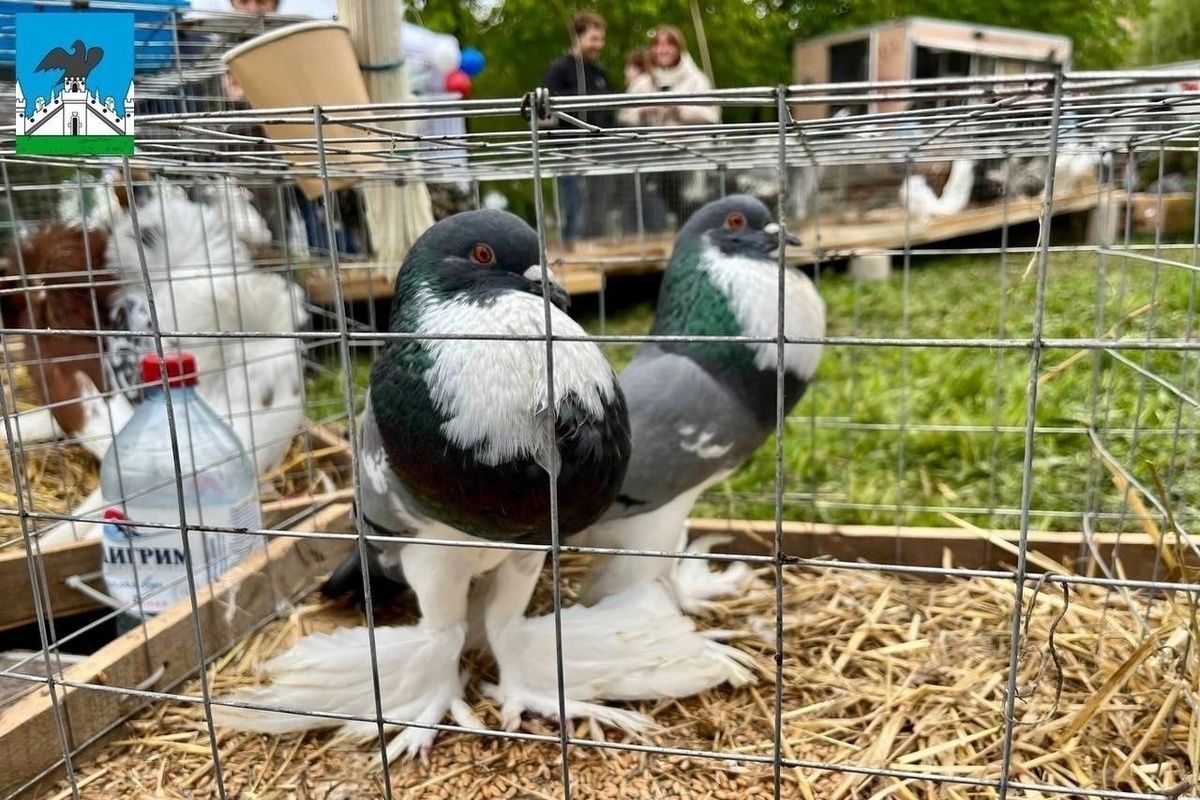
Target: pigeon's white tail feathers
(635,645)
(922,202)
(332,673)
(917,198)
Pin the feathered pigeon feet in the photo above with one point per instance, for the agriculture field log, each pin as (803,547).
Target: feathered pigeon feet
(696,586)
(516,701)
(632,645)
(332,673)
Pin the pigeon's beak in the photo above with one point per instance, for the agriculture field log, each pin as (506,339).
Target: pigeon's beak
(548,286)
(772,229)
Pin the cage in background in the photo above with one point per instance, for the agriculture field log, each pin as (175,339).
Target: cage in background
(978,519)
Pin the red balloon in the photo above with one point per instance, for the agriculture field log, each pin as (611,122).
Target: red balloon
(459,81)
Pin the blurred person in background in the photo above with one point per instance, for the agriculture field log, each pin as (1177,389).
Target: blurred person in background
(675,72)
(578,72)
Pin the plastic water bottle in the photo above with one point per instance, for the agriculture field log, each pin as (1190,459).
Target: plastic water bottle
(137,481)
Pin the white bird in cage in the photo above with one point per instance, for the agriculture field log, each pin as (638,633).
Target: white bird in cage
(921,202)
(457,445)
(699,409)
(95,204)
(234,203)
(202,280)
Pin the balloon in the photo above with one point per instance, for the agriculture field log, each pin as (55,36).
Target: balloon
(444,55)
(471,61)
(460,82)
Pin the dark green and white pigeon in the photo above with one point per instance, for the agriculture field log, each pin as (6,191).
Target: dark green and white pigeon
(699,409)
(457,444)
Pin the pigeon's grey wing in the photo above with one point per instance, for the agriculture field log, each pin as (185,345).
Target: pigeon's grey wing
(387,510)
(688,430)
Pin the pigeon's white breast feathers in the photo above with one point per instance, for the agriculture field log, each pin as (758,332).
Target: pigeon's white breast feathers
(491,390)
(752,286)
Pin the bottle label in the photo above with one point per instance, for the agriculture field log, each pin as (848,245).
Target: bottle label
(151,563)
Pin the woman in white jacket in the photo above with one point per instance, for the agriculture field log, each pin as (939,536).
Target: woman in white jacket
(639,79)
(674,71)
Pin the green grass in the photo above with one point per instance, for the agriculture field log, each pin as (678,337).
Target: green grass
(896,435)
(74,145)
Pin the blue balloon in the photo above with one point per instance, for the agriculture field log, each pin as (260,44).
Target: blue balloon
(471,61)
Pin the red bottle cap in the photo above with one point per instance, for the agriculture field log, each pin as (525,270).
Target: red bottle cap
(180,368)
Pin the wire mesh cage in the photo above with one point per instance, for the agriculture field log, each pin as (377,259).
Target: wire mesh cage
(970,569)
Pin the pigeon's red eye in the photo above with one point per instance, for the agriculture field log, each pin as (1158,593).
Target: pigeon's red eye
(735,221)
(482,254)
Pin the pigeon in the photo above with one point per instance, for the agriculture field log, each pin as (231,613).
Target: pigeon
(699,409)
(458,441)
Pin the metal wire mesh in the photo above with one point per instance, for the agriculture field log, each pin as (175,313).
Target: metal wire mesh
(1011,400)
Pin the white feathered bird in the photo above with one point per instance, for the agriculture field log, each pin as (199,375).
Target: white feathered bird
(202,280)
(922,202)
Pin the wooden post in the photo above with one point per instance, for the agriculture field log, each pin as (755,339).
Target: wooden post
(396,214)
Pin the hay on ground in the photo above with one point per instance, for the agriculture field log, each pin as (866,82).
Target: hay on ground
(879,671)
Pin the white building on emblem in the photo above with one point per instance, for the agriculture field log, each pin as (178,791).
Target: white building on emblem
(74,112)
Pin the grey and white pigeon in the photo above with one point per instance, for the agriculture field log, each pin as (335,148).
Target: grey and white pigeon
(458,443)
(698,409)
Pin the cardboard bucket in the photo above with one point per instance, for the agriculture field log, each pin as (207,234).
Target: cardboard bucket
(308,64)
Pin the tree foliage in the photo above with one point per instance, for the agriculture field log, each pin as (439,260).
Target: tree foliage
(1170,32)
(749,41)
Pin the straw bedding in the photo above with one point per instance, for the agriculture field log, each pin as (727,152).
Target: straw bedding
(58,476)
(879,671)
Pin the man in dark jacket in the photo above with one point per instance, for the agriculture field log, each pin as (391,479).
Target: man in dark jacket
(578,73)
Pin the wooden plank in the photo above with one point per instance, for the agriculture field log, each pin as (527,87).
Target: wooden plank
(82,558)
(363,285)
(27,662)
(582,281)
(843,236)
(927,547)
(59,563)
(359,283)
(1176,209)
(243,598)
